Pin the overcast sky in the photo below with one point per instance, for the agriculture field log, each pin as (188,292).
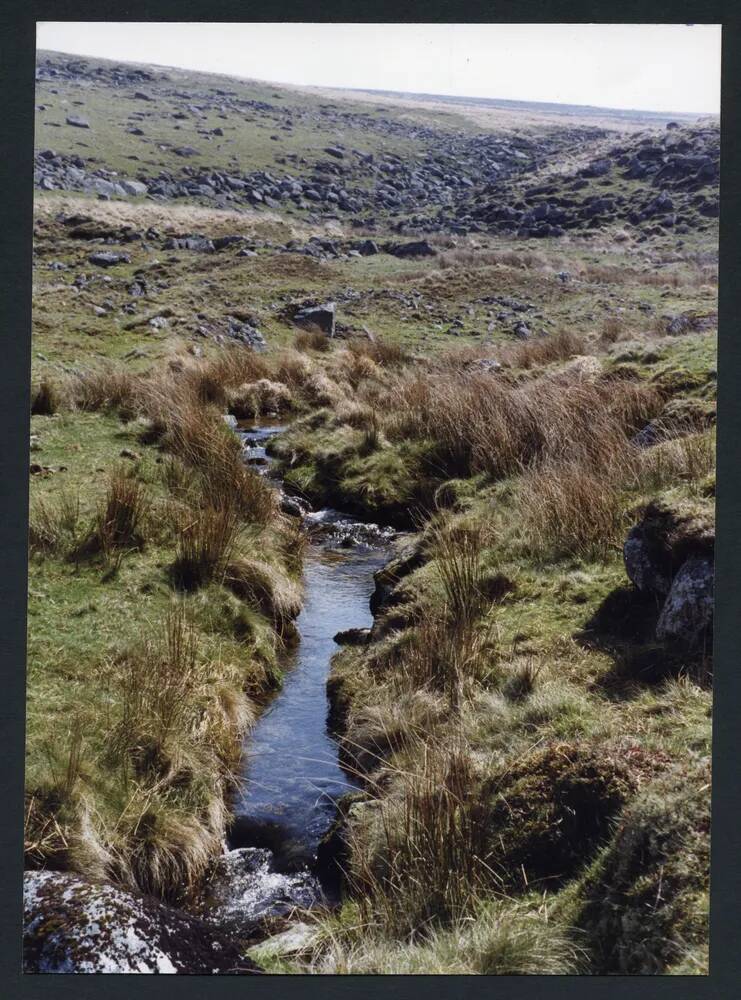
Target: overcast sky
(649,67)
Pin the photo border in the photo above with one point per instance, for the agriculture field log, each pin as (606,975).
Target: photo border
(17,64)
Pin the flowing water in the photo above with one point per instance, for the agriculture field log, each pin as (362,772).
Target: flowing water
(291,777)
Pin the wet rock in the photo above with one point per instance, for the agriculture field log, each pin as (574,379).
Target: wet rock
(72,925)
(353,637)
(244,887)
(291,506)
(409,555)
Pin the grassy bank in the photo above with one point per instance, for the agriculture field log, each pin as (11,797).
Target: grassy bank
(535,762)
(154,629)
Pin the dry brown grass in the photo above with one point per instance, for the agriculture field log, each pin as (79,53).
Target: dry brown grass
(383,352)
(121,517)
(172,747)
(688,459)
(422,860)
(568,509)
(559,346)
(312,340)
(480,423)
(108,387)
(55,524)
(206,538)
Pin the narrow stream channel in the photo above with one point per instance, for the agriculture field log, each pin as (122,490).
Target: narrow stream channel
(290,775)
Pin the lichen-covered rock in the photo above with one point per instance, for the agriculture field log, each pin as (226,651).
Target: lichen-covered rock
(688,609)
(669,555)
(72,925)
(662,541)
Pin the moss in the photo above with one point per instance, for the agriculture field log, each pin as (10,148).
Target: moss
(643,903)
(551,810)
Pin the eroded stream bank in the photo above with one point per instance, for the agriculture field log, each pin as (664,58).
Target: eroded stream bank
(291,777)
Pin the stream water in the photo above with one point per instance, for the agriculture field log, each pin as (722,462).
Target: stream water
(291,777)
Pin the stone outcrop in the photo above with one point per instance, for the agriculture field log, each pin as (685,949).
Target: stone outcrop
(669,554)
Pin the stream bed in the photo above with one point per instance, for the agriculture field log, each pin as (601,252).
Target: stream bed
(290,774)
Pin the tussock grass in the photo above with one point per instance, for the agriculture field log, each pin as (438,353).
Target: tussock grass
(55,524)
(121,517)
(107,387)
(206,538)
(45,401)
(689,459)
(268,589)
(312,340)
(381,351)
(422,858)
(559,346)
(481,424)
(501,938)
(569,510)
(254,399)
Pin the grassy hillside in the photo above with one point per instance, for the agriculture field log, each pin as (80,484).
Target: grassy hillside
(531,738)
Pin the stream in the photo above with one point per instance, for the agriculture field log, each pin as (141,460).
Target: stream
(290,773)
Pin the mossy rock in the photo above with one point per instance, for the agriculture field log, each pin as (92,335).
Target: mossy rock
(552,810)
(643,903)
(673,381)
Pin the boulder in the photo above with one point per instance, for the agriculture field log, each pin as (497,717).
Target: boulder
(77,122)
(72,925)
(106,258)
(201,244)
(597,168)
(662,541)
(297,938)
(688,609)
(669,556)
(134,187)
(418,248)
(322,316)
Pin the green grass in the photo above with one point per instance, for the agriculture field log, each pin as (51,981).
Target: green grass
(89,613)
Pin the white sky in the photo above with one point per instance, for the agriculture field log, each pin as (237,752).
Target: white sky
(649,67)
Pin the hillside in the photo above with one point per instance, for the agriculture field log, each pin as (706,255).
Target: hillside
(488,328)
